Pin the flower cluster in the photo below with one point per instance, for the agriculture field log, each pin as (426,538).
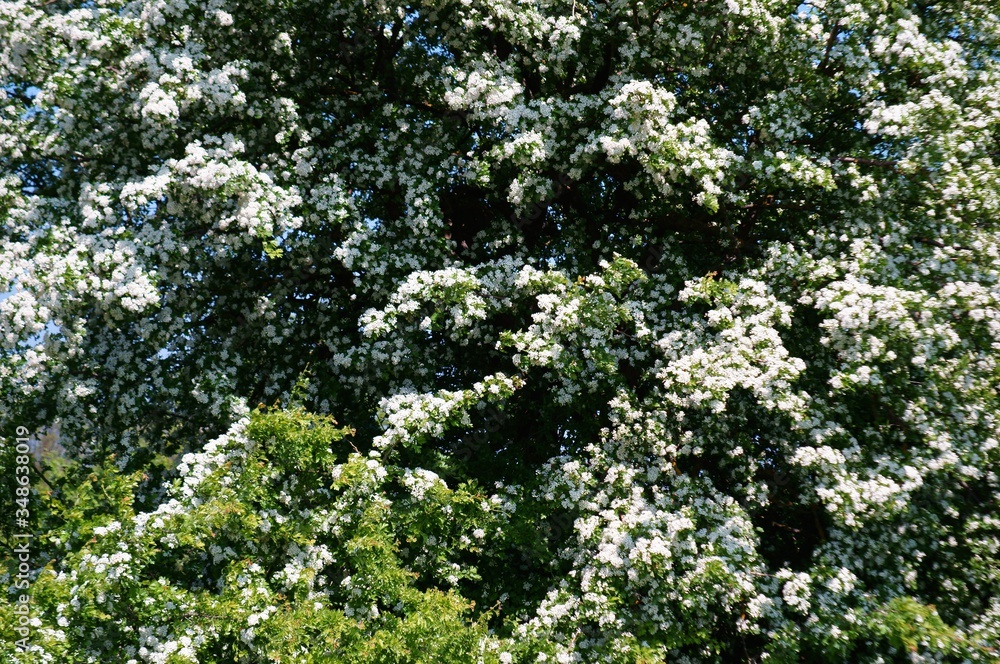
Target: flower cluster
(714,287)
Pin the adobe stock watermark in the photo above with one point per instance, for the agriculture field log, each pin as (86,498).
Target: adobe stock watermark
(469,446)
(652,257)
(559,185)
(774,478)
(360,49)
(555,527)
(549,527)
(22,539)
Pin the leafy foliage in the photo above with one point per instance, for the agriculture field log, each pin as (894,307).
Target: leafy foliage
(664,332)
(268,549)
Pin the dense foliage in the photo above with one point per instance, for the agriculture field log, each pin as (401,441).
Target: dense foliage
(658,332)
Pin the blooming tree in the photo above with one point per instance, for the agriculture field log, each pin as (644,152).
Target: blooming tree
(659,332)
